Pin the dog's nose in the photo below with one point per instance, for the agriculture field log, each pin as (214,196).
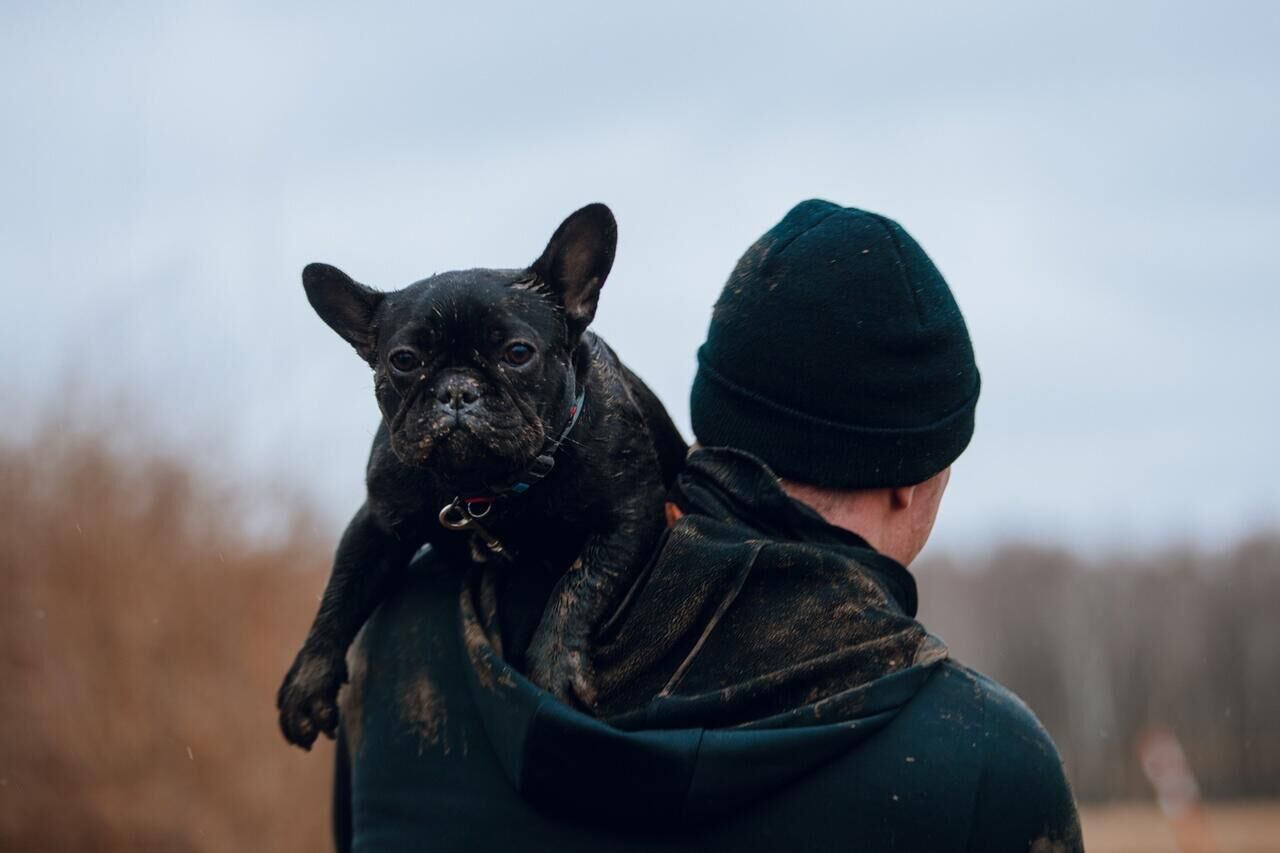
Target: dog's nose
(457,394)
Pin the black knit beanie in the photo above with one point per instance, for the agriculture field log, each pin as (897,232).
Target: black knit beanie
(837,354)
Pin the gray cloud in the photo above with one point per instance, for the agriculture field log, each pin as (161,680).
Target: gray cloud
(1097,182)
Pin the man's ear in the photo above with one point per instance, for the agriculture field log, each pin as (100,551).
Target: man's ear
(577,260)
(347,306)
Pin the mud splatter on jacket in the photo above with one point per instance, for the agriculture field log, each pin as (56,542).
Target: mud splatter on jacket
(765,687)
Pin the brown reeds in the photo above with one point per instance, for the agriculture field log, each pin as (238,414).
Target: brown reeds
(142,636)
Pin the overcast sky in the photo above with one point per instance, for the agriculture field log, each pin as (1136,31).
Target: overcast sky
(1098,183)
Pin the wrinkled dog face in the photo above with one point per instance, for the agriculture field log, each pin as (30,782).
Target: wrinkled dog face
(473,370)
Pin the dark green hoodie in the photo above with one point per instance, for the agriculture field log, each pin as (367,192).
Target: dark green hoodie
(765,687)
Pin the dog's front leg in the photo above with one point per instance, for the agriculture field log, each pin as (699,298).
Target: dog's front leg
(368,556)
(560,652)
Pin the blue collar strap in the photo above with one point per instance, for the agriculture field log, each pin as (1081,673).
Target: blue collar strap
(542,465)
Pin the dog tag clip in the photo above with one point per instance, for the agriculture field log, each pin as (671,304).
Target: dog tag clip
(458,516)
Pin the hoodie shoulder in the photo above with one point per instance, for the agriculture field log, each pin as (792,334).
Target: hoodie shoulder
(1023,800)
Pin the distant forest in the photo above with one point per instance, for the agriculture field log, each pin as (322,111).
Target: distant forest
(1106,648)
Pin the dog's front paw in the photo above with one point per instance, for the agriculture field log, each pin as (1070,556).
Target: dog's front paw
(308,698)
(563,668)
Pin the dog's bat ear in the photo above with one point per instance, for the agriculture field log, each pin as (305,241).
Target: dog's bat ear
(347,306)
(577,260)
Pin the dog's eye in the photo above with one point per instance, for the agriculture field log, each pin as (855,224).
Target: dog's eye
(404,360)
(519,353)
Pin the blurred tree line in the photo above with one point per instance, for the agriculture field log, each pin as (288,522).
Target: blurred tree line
(1104,649)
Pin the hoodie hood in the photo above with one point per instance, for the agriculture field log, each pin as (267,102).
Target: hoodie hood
(759,644)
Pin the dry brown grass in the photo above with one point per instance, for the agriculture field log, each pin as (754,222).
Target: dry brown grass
(1251,827)
(141,641)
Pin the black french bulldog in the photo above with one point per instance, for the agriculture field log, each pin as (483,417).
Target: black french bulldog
(490,385)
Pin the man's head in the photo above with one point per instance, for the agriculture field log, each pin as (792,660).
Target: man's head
(895,520)
(837,354)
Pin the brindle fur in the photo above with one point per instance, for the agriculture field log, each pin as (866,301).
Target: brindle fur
(595,517)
